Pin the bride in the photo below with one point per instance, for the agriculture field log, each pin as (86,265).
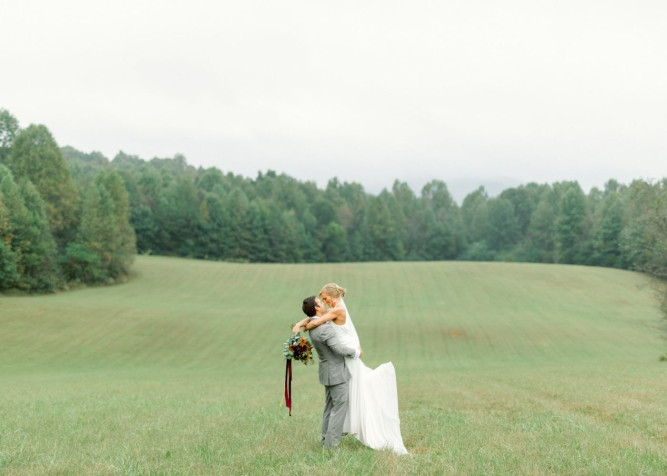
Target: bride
(372,415)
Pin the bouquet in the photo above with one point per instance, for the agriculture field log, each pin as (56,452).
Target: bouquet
(297,347)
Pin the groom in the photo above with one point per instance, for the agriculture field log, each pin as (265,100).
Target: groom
(334,375)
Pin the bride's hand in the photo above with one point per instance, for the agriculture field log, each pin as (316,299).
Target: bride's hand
(297,327)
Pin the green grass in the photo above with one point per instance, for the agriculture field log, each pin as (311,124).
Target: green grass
(502,368)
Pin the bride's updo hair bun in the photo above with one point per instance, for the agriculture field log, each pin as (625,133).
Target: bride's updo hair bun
(333,290)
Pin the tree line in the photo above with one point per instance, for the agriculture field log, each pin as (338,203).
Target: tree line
(98,210)
(54,230)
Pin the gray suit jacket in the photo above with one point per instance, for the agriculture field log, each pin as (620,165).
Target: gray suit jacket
(331,353)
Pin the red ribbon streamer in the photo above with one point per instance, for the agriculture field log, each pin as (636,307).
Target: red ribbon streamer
(288,385)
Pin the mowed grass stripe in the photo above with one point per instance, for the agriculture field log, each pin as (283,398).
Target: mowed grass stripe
(502,368)
(184,311)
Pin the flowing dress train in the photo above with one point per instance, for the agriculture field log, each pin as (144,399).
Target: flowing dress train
(372,415)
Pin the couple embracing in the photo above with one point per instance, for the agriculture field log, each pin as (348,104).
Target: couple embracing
(360,401)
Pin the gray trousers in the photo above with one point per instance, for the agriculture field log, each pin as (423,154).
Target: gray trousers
(335,410)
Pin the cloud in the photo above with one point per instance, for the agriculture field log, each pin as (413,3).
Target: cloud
(501,92)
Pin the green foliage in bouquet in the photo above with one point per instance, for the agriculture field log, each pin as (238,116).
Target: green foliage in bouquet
(299,347)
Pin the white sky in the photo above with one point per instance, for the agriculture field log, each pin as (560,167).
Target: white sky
(470,92)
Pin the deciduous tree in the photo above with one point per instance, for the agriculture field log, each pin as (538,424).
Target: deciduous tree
(35,156)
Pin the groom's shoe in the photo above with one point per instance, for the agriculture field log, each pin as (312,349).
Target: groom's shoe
(330,450)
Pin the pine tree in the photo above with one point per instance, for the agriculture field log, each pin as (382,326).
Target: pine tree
(89,257)
(258,246)
(475,214)
(335,246)
(607,249)
(310,243)
(216,226)
(178,217)
(241,236)
(105,244)
(293,235)
(444,232)
(385,244)
(503,227)
(122,241)
(541,230)
(570,225)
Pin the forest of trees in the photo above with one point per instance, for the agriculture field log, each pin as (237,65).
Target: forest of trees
(68,216)
(55,230)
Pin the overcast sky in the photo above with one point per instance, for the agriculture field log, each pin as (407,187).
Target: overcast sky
(471,92)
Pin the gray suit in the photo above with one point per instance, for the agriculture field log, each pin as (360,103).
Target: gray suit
(334,375)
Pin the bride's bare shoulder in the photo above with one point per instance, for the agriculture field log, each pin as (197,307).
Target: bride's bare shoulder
(340,315)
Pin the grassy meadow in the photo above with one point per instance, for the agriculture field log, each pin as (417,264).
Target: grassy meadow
(502,368)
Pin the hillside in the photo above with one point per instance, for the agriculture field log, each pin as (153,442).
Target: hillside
(195,313)
(501,368)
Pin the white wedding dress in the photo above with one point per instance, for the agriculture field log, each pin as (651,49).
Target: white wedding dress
(372,415)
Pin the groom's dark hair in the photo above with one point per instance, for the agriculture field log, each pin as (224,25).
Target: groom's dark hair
(308,306)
